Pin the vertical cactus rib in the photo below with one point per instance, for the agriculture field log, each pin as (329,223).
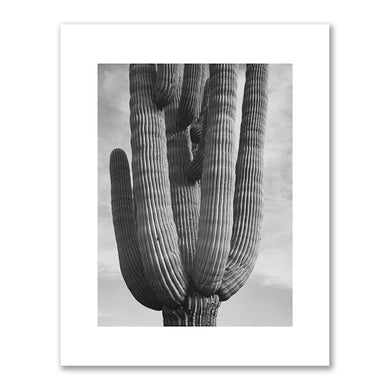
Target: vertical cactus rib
(248,196)
(157,235)
(166,84)
(217,189)
(185,196)
(190,95)
(123,213)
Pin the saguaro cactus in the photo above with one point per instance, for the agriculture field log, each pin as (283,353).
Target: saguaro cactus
(187,215)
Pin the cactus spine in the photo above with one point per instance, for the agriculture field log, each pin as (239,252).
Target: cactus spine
(186,244)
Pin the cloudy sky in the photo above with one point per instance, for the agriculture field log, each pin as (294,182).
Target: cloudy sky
(266,298)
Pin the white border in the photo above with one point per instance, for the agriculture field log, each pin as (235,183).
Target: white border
(306,343)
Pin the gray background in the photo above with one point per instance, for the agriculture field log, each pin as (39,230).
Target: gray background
(266,298)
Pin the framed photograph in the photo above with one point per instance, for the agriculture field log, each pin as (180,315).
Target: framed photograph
(194,195)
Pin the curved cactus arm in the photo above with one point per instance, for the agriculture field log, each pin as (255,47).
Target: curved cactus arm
(205,95)
(234,278)
(190,95)
(248,196)
(205,77)
(194,171)
(157,235)
(123,213)
(198,129)
(203,82)
(185,196)
(217,189)
(166,84)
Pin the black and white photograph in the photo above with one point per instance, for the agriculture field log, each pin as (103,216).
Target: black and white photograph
(197,211)
(195,195)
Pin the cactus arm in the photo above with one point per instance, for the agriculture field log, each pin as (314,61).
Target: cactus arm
(126,230)
(185,196)
(157,235)
(217,189)
(248,196)
(198,129)
(194,172)
(190,95)
(204,81)
(205,96)
(234,278)
(166,84)
(205,75)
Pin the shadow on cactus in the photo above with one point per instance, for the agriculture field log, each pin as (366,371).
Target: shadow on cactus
(187,215)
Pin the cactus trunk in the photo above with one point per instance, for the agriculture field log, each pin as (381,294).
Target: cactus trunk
(197,310)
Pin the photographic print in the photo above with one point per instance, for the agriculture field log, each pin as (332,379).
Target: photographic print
(197,229)
(194,195)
